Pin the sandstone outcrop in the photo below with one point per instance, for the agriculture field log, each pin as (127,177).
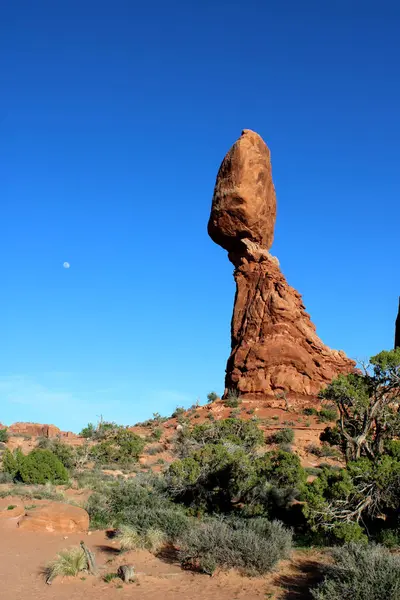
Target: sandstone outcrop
(56,517)
(39,430)
(275,351)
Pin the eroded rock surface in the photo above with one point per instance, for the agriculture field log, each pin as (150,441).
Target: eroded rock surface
(275,348)
(56,517)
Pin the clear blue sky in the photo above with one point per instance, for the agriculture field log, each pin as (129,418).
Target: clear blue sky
(114,118)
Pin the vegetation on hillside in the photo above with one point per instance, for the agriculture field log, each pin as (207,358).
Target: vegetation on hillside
(229,500)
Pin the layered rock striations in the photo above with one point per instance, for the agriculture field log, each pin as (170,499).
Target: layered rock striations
(275,350)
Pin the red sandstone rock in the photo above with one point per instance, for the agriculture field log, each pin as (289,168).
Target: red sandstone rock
(244,202)
(275,347)
(56,517)
(34,429)
(38,430)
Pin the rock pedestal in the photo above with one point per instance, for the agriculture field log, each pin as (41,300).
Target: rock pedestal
(275,350)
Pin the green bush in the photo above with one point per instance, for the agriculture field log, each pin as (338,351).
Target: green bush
(283,436)
(323,451)
(360,572)
(101,431)
(156,434)
(310,411)
(211,477)
(152,450)
(123,447)
(219,476)
(37,467)
(64,453)
(212,396)
(178,412)
(328,414)
(42,466)
(140,504)
(390,538)
(252,546)
(233,399)
(3,435)
(237,431)
(11,462)
(88,432)
(392,447)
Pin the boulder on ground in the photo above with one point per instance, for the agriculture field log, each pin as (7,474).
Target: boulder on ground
(56,517)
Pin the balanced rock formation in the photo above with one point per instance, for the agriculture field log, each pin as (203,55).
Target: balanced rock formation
(275,350)
(397,330)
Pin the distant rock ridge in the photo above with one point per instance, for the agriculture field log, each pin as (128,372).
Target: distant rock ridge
(38,430)
(275,350)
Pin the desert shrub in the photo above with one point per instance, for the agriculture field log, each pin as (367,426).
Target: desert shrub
(11,462)
(69,562)
(328,414)
(252,546)
(101,431)
(156,434)
(64,453)
(355,495)
(283,436)
(94,480)
(309,410)
(212,477)
(154,450)
(178,412)
(140,504)
(154,540)
(131,539)
(285,448)
(88,432)
(37,467)
(5,477)
(390,538)
(39,492)
(323,451)
(219,476)
(212,396)
(368,404)
(237,431)
(392,447)
(3,435)
(279,479)
(123,447)
(41,466)
(362,572)
(233,399)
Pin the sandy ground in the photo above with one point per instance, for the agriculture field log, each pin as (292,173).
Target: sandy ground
(24,554)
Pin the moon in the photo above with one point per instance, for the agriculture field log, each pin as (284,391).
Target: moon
(66,265)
